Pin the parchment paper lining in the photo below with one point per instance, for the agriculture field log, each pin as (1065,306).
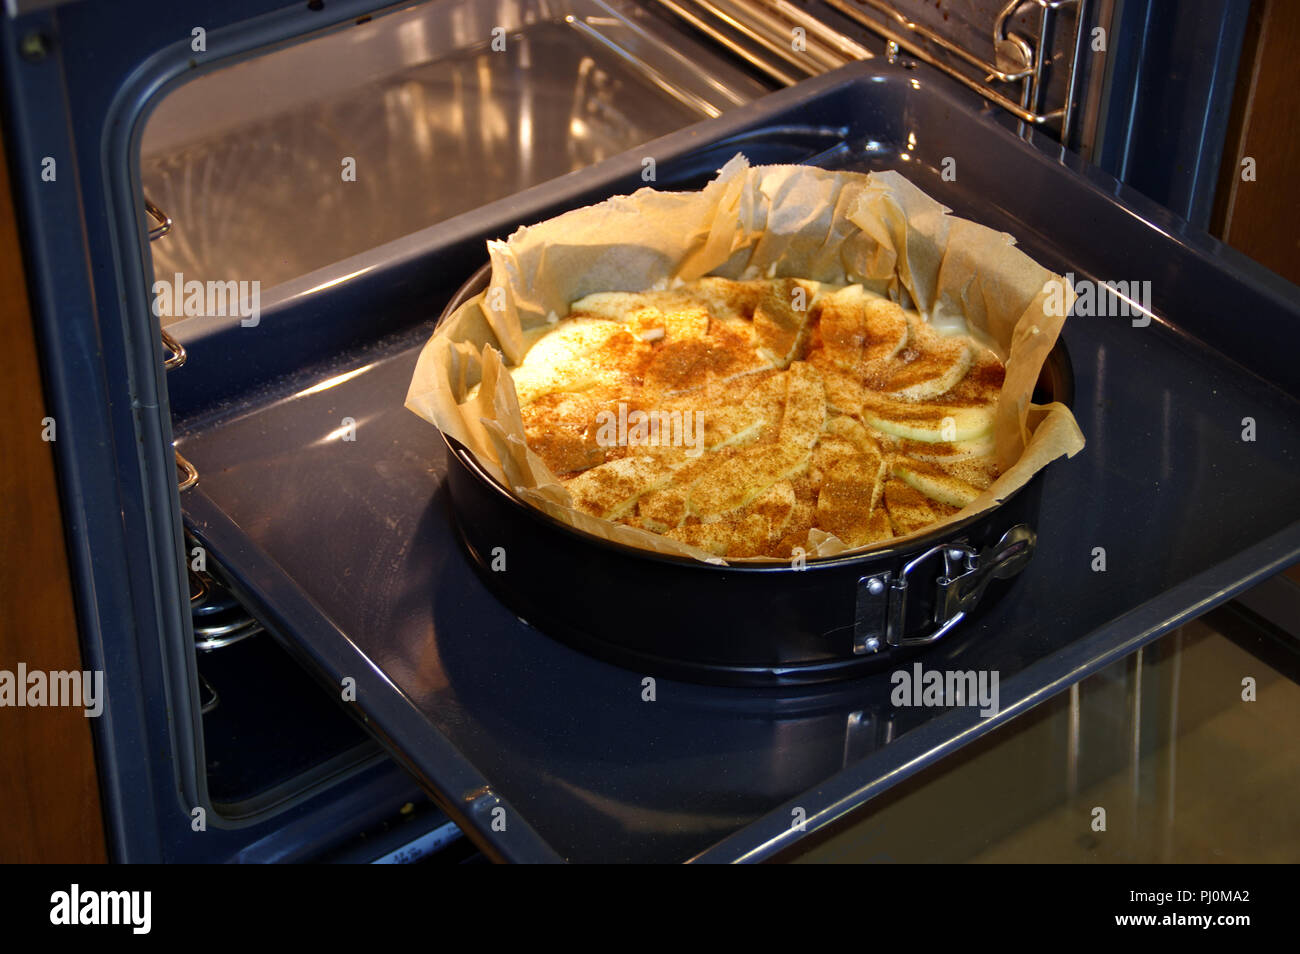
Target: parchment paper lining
(750,222)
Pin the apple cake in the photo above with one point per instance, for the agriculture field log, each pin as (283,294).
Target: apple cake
(742,417)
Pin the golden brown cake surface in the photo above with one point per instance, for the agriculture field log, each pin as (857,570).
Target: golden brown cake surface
(740,416)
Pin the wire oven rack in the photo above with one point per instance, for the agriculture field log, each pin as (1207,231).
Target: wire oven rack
(781,37)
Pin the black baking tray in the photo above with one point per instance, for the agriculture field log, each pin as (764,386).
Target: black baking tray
(348,553)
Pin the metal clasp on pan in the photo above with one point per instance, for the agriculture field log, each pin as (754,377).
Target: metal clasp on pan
(882,598)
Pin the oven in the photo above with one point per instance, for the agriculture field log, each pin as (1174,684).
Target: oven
(301,662)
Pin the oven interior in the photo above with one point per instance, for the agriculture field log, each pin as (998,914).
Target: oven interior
(344,686)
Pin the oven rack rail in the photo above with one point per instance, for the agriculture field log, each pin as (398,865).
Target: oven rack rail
(174,354)
(763,33)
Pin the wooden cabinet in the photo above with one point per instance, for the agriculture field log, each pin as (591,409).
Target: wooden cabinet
(1257,213)
(49,794)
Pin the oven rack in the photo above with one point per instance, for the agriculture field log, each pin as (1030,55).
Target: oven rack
(764,34)
(219,619)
